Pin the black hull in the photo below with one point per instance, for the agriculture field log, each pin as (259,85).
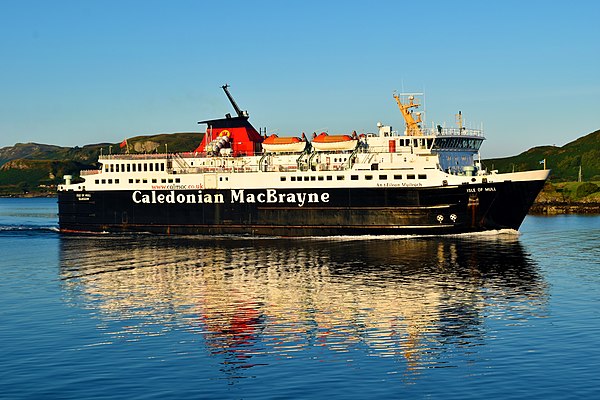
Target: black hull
(280,212)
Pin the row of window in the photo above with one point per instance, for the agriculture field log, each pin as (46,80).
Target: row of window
(283,178)
(458,143)
(105,180)
(416,142)
(352,177)
(116,181)
(135,167)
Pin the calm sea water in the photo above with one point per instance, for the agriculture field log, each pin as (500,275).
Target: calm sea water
(142,317)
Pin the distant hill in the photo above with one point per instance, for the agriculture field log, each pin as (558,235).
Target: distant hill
(27,167)
(176,142)
(563,161)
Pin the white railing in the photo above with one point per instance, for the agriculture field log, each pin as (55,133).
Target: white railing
(452,132)
(133,156)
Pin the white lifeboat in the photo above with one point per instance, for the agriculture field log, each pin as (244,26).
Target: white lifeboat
(276,144)
(325,142)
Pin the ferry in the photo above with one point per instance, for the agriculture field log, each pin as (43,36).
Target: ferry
(425,181)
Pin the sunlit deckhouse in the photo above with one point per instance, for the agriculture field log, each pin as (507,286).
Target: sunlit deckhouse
(416,181)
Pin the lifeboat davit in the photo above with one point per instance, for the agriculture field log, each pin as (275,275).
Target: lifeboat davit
(325,142)
(275,144)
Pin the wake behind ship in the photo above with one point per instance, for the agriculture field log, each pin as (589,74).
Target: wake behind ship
(420,181)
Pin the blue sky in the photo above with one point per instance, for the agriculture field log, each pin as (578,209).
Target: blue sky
(80,72)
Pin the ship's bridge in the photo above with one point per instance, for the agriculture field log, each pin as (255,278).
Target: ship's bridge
(456,148)
(445,143)
(455,139)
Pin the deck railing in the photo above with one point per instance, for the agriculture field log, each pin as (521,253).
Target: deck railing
(89,172)
(452,132)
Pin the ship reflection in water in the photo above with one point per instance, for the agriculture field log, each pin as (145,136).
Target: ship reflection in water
(255,301)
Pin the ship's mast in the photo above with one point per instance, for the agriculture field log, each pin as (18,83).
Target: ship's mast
(412,124)
(459,121)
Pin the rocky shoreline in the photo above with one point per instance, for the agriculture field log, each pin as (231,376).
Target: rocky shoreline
(567,207)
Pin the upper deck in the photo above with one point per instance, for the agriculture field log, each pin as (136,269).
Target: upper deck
(448,149)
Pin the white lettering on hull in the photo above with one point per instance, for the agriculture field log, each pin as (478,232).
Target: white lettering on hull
(269,196)
(481,189)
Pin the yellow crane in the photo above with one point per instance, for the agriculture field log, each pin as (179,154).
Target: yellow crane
(412,125)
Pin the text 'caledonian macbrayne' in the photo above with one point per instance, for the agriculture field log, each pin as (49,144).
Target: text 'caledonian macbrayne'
(236,196)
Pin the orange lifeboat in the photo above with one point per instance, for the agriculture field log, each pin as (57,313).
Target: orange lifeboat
(325,142)
(275,144)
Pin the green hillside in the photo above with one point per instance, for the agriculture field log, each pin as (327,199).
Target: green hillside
(176,142)
(563,161)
